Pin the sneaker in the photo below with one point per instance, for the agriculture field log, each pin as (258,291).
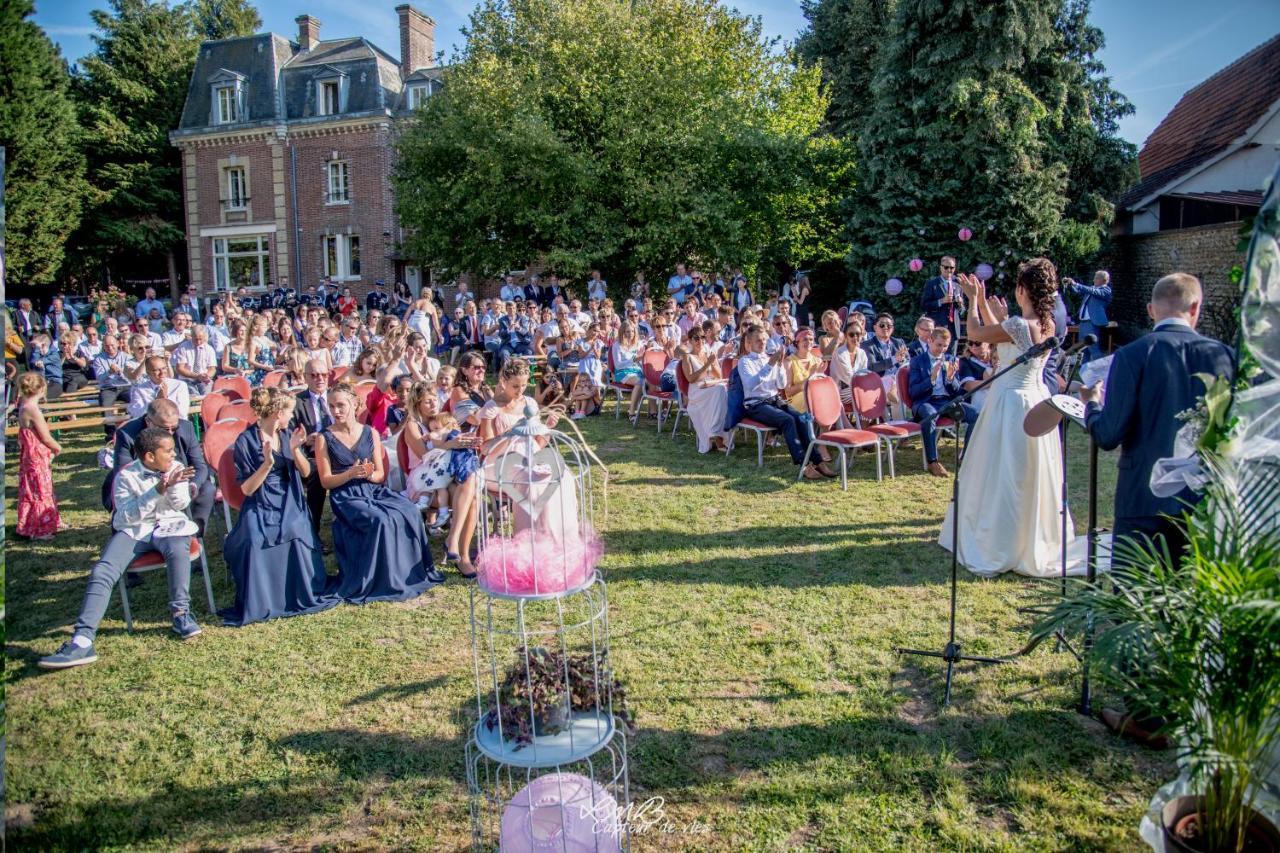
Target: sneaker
(435,576)
(184,626)
(442,517)
(576,416)
(424,502)
(69,655)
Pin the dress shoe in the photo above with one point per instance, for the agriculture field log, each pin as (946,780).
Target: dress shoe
(1123,725)
(936,469)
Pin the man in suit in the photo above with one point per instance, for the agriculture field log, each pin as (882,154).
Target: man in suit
(164,414)
(58,316)
(1151,381)
(933,382)
(941,300)
(26,321)
(312,414)
(1093,308)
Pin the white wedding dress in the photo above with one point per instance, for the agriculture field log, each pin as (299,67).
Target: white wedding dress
(1010,483)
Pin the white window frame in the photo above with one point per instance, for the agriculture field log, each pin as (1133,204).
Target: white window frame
(337,182)
(227,109)
(237,188)
(418,95)
(223,255)
(336,256)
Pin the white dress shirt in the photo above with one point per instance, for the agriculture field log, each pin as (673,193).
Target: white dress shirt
(145,391)
(201,359)
(761,378)
(102,370)
(139,508)
(844,367)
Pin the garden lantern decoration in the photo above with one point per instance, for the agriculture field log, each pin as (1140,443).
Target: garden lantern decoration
(965,235)
(893,286)
(984,272)
(916,265)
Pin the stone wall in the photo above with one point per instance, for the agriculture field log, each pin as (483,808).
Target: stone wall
(1208,252)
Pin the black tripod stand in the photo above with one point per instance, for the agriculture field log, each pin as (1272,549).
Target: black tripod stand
(952,653)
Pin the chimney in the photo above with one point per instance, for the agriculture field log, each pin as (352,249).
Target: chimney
(417,40)
(308,31)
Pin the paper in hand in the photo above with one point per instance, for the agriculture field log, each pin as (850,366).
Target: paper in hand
(1096,371)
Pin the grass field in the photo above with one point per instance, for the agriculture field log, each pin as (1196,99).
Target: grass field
(754,621)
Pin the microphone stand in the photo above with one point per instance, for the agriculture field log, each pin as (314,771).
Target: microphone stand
(952,652)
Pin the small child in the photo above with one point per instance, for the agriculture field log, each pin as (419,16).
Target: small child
(550,390)
(444,383)
(395,412)
(587,385)
(38,516)
(151,496)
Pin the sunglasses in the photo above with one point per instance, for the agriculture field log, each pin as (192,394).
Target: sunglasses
(948,267)
(884,325)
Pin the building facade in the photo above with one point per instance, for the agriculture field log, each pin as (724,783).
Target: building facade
(287,154)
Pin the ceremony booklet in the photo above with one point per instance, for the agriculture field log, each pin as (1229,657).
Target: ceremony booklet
(174,527)
(1096,371)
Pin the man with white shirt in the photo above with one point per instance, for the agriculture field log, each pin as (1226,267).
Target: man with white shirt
(679,285)
(195,362)
(109,370)
(462,295)
(148,304)
(90,345)
(179,334)
(577,315)
(313,415)
(763,381)
(596,287)
(159,384)
(510,289)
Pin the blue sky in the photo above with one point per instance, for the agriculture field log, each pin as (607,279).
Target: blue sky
(1156,49)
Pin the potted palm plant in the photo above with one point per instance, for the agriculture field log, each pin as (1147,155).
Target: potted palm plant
(1196,642)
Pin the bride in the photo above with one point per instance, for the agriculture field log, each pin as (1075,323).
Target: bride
(1010,496)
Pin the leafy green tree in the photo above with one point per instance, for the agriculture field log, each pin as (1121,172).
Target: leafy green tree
(845,37)
(131,92)
(45,183)
(955,140)
(625,135)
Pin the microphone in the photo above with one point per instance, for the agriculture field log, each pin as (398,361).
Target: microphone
(1038,350)
(1084,343)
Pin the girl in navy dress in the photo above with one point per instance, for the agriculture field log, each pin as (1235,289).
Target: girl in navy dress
(273,555)
(382,547)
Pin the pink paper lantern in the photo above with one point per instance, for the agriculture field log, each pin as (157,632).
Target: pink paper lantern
(965,235)
(560,812)
(916,265)
(984,271)
(893,286)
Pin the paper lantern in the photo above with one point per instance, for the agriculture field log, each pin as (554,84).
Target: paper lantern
(965,235)
(560,812)
(916,265)
(920,232)
(984,271)
(893,286)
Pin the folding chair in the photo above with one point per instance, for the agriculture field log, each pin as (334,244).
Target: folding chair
(823,399)
(153,560)
(239,410)
(870,412)
(236,385)
(211,405)
(273,379)
(216,443)
(653,362)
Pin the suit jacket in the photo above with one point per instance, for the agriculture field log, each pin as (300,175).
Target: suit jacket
(186,446)
(304,416)
(880,356)
(919,383)
(28,323)
(470,329)
(51,321)
(1093,306)
(1151,381)
(934,290)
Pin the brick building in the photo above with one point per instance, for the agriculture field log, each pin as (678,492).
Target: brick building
(1201,177)
(287,154)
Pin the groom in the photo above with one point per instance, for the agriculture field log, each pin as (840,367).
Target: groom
(932,383)
(1151,381)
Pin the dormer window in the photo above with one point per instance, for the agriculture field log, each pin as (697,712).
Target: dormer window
(418,95)
(227,103)
(329,101)
(331,92)
(227,89)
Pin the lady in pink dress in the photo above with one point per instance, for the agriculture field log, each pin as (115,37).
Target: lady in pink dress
(38,516)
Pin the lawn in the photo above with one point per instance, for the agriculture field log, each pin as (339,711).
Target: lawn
(754,621)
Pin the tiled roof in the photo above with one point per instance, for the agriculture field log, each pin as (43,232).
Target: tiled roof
(1245,197)
(1209,118)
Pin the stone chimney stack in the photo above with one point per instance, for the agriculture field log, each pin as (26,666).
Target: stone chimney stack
(308,31)
(417,40)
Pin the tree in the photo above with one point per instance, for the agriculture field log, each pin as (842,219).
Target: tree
(955,140)
(131,93)
(845,37)
(618,134)
(45,183)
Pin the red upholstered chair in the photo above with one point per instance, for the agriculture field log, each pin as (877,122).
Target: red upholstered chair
(904,394)
(153,560)
(823,399)
(653,362)
(682,398)
(870,412)
(237,386)
(239,410)
(273,379)
(211,405)
(216,442)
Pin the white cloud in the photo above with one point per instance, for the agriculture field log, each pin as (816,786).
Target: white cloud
(68,30)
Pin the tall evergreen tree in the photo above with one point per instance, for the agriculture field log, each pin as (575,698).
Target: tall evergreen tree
(845,36)
(955,140)
(131,92)
(45,184)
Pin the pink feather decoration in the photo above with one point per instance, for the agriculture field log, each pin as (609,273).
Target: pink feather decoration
(537,563)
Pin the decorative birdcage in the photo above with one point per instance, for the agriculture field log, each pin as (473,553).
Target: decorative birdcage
(547,757)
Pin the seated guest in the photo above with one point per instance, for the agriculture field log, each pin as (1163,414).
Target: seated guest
(831,337)
(975,367)
(849,360)
(763,380)
(159,384)
(935,382)
(45,359)
(396,411)
(163,414)
(708,398)
(311,414)
(150,496)
(113,384)
(800,365)
(75,366)
(383,553)
(625,352)
(273,553)
(924,328)
(89,348)
(195,362)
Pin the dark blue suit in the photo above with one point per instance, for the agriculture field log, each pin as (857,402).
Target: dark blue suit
(1093,313)
(942,314)
(1151,381)
(882,355)
(926,403)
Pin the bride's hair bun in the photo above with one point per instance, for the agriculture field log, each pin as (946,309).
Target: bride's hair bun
(1039,278)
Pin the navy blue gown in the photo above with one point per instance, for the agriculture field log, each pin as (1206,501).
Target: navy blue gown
(378,535)
(274,557)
